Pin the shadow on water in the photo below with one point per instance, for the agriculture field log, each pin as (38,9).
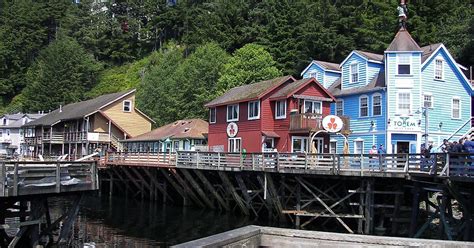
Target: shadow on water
(118,222)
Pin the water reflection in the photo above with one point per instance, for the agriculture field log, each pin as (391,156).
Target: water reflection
(117,222)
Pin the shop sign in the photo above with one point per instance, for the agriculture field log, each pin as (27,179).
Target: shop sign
(332,123)
(404,123)
(232,129)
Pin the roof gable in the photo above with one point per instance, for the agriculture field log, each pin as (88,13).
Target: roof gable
(403,42)
(249,91)
(377,83)
(367,56)
(181,129)
(294,87)
(323,65)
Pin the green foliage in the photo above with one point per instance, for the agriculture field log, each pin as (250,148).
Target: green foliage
(249,64)
(62,73)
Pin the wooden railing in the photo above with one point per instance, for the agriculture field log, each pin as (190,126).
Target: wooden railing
(145,158)
(311,122)
(33,140)
(18,178)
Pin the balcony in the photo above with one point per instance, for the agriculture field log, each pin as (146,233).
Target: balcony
(311,122)
(32,140)
(73,137)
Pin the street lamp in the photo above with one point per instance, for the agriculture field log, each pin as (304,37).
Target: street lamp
(424,112)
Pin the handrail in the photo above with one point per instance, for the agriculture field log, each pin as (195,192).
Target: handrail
(459,129)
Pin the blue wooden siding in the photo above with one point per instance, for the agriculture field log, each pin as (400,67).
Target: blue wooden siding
(354,58)
(330,78)
(315,67)
(443,92)
(368,139)
(326,78)
(372,70)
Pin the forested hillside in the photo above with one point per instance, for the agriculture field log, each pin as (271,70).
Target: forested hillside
(180,54)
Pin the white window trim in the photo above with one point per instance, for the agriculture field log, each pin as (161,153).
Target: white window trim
(315,72)
(373,105)
(210,115)
(276,112)
(442,69)
(342,106)
(397,102)
(235,138)
(320,105)
(227,112)
(130,106)
(248,110)
(350,72)
(432,99)
(358,140)
(452,107)
(360,106)
(299,137)
(409,63)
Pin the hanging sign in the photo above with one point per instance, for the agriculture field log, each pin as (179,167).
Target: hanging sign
(232,129)
(332,123)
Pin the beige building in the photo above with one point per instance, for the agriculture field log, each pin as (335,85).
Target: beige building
(81,128)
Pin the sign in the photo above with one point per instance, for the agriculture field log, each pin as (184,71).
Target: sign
(332,123)
(404,123)
(232,129)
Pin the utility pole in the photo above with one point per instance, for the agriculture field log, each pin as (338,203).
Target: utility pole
(425,112)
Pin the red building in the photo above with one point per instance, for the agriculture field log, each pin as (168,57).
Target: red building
(279,114)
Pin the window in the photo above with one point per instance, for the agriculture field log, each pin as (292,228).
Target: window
(268,145)
(313,74)
(376,104)
(212,115)
(127,106)
(280,109)
(456,108)
(254,110)
(428,101)
(234,144)
(313,107)
(4,121)
(333,147)
(439,69)
(358,147)
(354,71)
(233,112)
(299,144)
(404,102)
(404,64)
(363,106)
(339,107)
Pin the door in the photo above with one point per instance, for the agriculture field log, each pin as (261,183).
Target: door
(403,147)
(299,144)
(318,145)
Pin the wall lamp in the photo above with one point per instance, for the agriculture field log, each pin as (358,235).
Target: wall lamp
(372,123)
(388,122)
(440,125)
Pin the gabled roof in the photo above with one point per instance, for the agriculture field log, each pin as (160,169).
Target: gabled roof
(292,88)
(181,129)
(327,66)
(16,120)
(403,42)
(79,109)
(428,51)
(249,91)
(371,57)
(377,83)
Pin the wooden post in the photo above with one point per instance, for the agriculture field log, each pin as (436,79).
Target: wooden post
(210,188)
(360,222)
(228,186)
(298,205)
(369,208)
(218,160)
(94,175)
(253,161)
(198,188)
(58,177)
(414,209)
(2,179)
(15,179)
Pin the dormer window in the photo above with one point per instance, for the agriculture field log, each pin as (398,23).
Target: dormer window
(404,64)
(439,75)
(127,106)
(354,72)
(233,112)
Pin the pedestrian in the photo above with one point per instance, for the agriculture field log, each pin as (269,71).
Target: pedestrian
(381,151)
(373,156)
(468,146)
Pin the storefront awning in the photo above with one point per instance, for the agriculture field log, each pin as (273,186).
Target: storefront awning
(270,134)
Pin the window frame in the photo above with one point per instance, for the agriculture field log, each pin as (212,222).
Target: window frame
(398,102)
(130,106)
(373,104)
(360,106)
(249,104)
(355,146)
(313,72)
(233,147)
(312,104)
(399,56)
(339,103)
(227,113)
(331,143)
(351,72)
(459,107)
(280,117)
(431,101)
(211,121)
(436,69)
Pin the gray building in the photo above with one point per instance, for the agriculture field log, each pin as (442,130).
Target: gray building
(11,134)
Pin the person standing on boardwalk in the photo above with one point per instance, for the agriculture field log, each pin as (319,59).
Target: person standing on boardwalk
(381,151)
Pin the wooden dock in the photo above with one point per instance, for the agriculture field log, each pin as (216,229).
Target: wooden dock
(396,194)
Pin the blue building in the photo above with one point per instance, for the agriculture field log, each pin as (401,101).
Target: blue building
(385,96)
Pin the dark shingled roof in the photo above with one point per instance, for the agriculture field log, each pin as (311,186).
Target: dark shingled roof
(377,83)
(182,129)
(283,92)
(428,51)
(78,109)
(328,65)
(403,42)
(371,56)
(249,91)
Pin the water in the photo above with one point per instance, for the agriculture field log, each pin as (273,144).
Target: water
(117,222)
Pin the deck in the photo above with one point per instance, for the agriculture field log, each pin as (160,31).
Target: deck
(442,165)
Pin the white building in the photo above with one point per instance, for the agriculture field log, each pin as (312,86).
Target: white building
(11,134)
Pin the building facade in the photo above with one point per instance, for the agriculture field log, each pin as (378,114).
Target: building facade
(81,128)
(401,97)
(11,134)
(277,115)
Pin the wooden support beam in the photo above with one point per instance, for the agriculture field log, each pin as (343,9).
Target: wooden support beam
(214,192)
(229,187)
(141,179)
(186,188)
(415,209)
(245,193)
(69,221)
(369,207)
(275,197)
(123,180)
(157,184)
(130,177)
(175,185)
(198,188)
